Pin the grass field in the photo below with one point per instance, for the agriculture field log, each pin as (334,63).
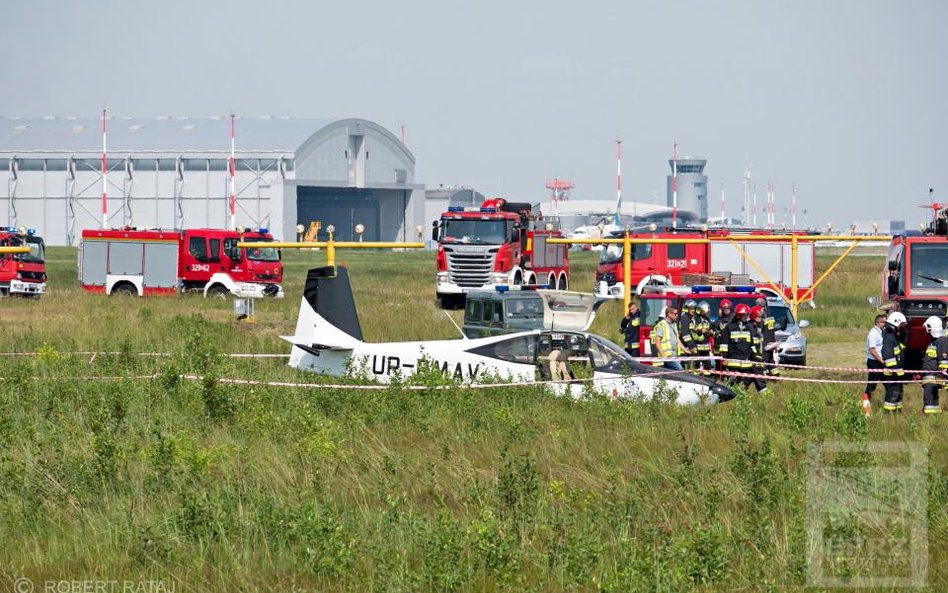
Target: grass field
(203,486)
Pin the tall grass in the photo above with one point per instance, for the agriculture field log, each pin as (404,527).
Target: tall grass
(216,487)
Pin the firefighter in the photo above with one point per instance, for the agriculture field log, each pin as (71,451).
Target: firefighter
(893,358)
(685,321)
(935,359)
(768,339)
(629,327)
(737,348)
(758,329)
(701,335)
(725,316)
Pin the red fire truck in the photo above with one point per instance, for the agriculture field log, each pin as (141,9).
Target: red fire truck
(156,261)
(915,280)
(499,243)
(666,264)
(22,273)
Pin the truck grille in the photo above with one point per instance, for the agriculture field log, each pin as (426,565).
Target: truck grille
(33,276)
(470,268)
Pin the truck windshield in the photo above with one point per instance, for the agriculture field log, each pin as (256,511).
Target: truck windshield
(480,232)
(37,252)
(262,253)
(929,265)
(613,252)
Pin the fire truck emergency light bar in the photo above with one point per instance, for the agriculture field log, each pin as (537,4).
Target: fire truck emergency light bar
(505,288)
(710,288)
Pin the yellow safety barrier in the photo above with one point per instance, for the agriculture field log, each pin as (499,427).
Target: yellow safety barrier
(331,246)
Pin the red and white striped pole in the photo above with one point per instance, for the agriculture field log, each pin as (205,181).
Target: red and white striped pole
(618,217)
(233,171)
(675,185)
(793,208)
(105,178)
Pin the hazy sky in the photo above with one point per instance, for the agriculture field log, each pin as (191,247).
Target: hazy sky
(846,99)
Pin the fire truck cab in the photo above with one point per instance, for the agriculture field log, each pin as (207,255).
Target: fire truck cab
(915,282)
(22,274)
(500,243)
(156,261)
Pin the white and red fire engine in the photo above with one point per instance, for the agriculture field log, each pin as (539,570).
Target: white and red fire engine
(500,243)
(666,264)
(157,261)
(22,273)
(915,280)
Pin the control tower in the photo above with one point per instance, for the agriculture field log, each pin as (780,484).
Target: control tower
(692,185)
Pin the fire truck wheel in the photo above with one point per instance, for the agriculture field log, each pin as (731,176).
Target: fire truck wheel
(125,289)
(551,281)
(518,279)
(218,291)
(563,283)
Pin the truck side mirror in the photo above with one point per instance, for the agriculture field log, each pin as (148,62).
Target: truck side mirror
(893,265)
(434,230)
(515,236)
(893,288)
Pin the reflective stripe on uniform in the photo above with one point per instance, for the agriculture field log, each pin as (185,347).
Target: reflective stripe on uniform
(932,410)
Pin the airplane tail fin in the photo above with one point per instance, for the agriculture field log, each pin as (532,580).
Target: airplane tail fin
(328,316)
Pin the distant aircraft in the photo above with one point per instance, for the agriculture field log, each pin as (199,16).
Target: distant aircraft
(328,339)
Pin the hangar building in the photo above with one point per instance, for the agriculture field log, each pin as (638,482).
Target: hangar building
(172,172)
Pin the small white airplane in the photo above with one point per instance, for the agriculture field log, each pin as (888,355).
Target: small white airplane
(328,340)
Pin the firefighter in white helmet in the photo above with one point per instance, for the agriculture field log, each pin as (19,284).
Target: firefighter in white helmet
(893,360)
(935,359)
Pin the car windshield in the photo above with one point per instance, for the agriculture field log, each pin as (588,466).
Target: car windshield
(929,265)
(613,252)
(473,231)
(783,318)
(262,252)
(608,357)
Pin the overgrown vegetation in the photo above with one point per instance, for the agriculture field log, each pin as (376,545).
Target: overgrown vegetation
(218,487)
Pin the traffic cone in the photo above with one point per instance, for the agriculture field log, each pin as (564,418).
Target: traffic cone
(866,404)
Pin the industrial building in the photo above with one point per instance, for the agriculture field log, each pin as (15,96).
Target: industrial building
(172,172)
(692,185)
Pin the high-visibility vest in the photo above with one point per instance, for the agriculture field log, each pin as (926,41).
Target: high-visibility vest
(665,346)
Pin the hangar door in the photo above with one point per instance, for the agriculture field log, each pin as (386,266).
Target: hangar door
(343,208)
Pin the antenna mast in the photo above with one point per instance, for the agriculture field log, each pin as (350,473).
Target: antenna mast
(105,176)
(233,172)
(675,185)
